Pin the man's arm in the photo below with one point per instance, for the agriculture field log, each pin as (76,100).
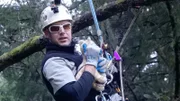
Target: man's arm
(65,86)
(76,91)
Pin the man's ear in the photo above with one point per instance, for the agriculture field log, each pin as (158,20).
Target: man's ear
(46,33)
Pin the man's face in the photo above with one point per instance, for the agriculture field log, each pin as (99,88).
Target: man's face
(59,33)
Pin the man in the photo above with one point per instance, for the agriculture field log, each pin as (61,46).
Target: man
(61,62)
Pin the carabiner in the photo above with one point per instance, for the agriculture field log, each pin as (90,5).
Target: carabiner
(111,78)
(102,97)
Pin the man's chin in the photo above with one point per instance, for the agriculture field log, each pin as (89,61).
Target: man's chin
(64,44)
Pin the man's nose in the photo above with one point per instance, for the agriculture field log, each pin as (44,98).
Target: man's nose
(61,31)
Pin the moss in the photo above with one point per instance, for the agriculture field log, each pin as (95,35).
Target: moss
(20,48)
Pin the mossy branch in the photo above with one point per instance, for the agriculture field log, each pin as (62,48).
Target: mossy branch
(37,43)
(31,46)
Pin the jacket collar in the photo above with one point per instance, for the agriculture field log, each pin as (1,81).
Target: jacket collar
(54,47)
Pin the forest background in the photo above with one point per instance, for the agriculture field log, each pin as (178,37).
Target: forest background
(150,50)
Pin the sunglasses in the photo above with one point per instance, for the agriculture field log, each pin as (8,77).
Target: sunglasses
(58,28)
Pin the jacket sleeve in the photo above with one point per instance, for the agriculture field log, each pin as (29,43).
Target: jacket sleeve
(65,87)
(76,91)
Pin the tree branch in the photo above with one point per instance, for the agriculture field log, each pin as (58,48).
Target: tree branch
(108,10)
(76,4)
(37,43)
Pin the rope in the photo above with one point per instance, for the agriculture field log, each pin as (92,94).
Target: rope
(121,79)
(99,32)
(117,49)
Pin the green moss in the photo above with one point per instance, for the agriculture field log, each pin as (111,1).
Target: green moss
(20,48)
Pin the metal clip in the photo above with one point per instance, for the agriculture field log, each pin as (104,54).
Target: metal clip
(110,79)
(102,97)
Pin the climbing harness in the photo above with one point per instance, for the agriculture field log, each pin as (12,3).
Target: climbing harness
(116,55)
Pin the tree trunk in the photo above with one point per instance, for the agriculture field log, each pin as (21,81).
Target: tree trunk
(176,50)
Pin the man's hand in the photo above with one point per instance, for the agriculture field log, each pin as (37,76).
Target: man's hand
(103,71)
(101,80)
(92,53)
(102,65)
(93,58)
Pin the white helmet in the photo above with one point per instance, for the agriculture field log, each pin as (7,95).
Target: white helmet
(54,13)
